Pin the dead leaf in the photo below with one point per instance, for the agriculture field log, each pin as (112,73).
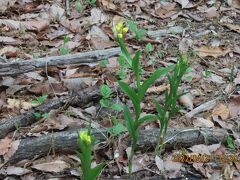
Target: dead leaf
(108,4)
(212,12)
(166,11)
(97,16)
(159,163)
(18,171)
(38,25)
(5,144)
(99,39)
(233,27)
(18,104)
(234,107)
(12,150)
(201,122)
(222,111)
(187,101)
(205,51)
(4,4)
(158,89)
(56,12)
(185,4)
(236,4)
(139,163)
(55,166)
(216,79)
(200,149)
(8,49)
(169,165)
(8,40)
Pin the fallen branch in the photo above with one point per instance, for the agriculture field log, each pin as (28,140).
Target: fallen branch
(24,66)
(66,142)
(28,118)
(203,107)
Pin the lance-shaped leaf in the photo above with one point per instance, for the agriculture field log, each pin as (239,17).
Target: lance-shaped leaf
(147,83)
(132,95)
(129,122)
(147,118)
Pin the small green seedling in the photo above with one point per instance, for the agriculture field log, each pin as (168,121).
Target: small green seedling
(230,143)
(91,2)
(106,97)
(117,129)
(39,115)
(140,34)
(231,76)
(104,63)
(63,50)
(39,100)
(86,143)
(149,48)
(78,6)
(207,73)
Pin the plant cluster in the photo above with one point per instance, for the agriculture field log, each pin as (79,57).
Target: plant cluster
(165,111)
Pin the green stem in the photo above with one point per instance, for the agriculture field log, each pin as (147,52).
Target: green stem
(133,147)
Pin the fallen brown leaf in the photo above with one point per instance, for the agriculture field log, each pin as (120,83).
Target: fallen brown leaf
(234,107)
(205,51)
(55,166)
(5,144)
(233,27)
(222,111)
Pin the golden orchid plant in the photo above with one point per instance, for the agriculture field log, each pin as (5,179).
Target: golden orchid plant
(137,94)
(86,147)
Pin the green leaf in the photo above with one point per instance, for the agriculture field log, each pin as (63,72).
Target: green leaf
(37,115)
(129,122)
(105,91)
(147,118)
(45,115)
(78,6)
(104,63)
(66,39)
(149,48)
(117,107)
(147,83)
(95,172)
(117,129)
(132,95)
(230,143)
(125,52)
(105,103)
(136,66)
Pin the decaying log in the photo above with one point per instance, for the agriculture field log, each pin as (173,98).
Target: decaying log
(24,66)
(66,141)
(28,118)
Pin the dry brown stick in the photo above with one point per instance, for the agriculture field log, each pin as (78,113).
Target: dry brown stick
(28,118)
(23,66)
(66,142)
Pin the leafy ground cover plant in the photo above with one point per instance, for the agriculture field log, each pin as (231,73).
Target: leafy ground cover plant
(86,143)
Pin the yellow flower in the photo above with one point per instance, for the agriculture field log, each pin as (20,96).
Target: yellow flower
(125,30)
(85,137)
(120,36)
(119,27)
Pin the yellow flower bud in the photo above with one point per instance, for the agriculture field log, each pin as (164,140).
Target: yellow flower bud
(85,137)
(120,36)
(125,30)
(119,27)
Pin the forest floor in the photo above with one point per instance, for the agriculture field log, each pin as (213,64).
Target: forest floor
(207,30)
